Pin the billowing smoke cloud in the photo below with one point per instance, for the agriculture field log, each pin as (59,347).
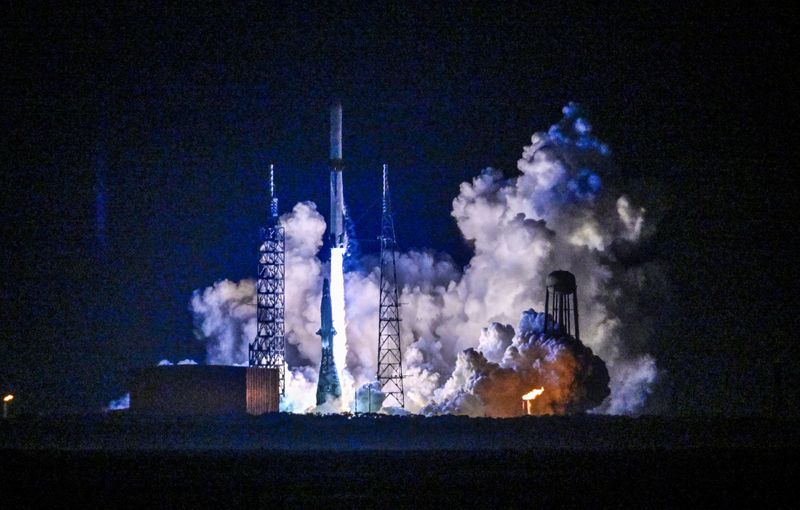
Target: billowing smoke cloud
(167,363)
(573,378)
(460,353)
(369,398)
(119,404)
(225,313)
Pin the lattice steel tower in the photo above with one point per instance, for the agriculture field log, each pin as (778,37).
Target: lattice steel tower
(390,366)
(268,350)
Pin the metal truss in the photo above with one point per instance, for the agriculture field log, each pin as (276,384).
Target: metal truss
(390,361)
(268,350)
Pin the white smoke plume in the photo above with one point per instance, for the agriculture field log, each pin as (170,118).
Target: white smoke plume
(119,404)
(167,363)
(369,398)
(558,213)
(225,313)
(572,377)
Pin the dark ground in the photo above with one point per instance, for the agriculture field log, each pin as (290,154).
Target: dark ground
(586,461)
(391,479)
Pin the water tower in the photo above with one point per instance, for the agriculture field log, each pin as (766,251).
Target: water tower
(561,304)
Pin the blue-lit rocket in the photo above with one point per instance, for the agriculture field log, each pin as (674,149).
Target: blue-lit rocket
(336,227)
(328,386)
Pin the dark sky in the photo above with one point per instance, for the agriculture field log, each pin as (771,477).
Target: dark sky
(171,115)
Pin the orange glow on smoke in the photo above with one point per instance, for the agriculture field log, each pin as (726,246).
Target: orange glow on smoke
(531,395)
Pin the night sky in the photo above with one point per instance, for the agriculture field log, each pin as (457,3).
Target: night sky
(137,141)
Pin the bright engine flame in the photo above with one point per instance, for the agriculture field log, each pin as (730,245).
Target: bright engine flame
(340,339)
(531,395)
(8,398)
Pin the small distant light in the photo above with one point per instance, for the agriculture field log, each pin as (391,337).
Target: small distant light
(8,398)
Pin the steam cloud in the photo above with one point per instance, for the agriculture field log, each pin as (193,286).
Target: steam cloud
(461,355)
(573,378)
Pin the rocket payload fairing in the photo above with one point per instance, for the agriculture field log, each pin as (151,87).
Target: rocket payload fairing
(337,236)
(328,385)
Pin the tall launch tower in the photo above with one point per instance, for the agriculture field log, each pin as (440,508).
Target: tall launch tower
(268,350)
(390,366)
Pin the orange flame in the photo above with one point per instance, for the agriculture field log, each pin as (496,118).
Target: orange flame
(8,398)
(533,393)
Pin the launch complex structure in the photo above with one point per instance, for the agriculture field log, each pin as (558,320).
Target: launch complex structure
(268,349)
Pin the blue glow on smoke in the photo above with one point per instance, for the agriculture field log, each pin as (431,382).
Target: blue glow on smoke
(581,152)
(352,257)
(594,182)
(582,127)
(574,131)
(584,186)
(570,110)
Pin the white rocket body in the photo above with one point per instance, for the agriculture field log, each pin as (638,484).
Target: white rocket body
(336,132)
(336,227)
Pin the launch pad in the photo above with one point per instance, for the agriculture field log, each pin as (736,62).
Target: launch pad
(258,388)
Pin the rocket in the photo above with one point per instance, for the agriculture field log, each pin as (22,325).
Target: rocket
(336,226)
(328,385)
